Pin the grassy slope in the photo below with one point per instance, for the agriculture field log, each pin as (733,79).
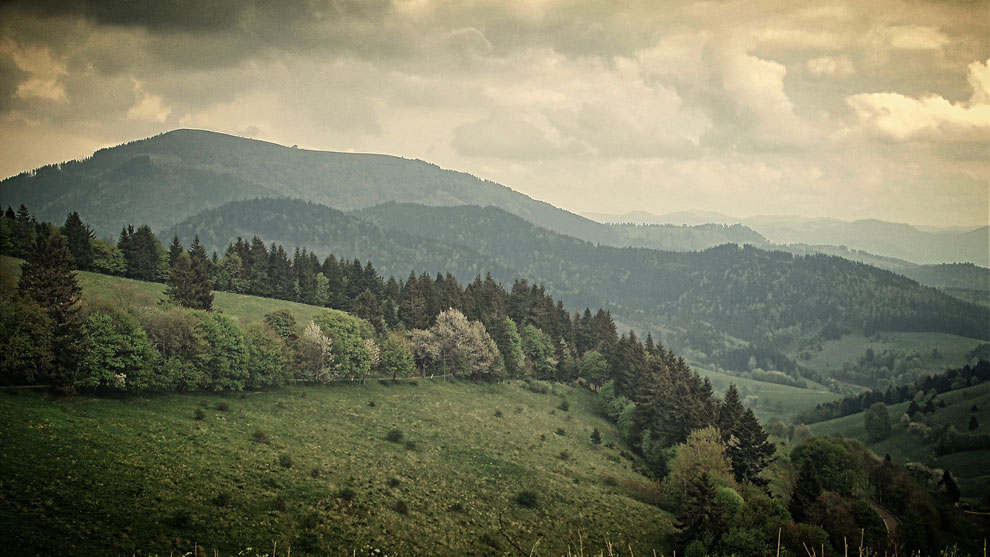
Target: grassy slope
(970,466)
(850,348)
(83,475)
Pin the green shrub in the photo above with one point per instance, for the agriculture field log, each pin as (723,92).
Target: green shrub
(222,406)
(200,415)
(564,405)
(393,482)
(346,494)
(401,507)
(315,472)
(285,460)
(564,455)
(560,431)
(410,445)
(260,437)
(498,413)
(395,436)
(223,499)
(527,499)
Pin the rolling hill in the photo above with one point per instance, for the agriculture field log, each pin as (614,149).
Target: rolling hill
(164,179)
(700,300)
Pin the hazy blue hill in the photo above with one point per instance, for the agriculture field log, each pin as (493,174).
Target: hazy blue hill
(748,293)
(167,178)
(880,238)
(686,238)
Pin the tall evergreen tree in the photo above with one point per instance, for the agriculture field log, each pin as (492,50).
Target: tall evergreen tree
(749,450)
(78,236)
(807,488)
(200,287)
(48,279)
(175,249)
(24,232)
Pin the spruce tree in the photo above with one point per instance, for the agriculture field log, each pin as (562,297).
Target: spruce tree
(807,488)
(175,249)
(78,236)
(749,450)
(177,288)
(24,232)
(596,436)
(951,487)
(200,287)
(48,278)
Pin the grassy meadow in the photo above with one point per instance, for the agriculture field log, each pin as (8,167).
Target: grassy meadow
(970,467)
(312,468)
(769,400)
(834,354)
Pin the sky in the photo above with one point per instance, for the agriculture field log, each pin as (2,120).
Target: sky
(851,110)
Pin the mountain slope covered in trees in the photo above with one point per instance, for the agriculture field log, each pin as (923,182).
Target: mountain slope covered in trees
(164,179)
(769,299)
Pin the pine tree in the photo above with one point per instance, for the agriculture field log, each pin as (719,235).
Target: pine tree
(177,288)
(807,488)
(48,279)
(749,450)
(951,487)
(200,287)
(596,437)
(78,236)
(175,249)
(24,232)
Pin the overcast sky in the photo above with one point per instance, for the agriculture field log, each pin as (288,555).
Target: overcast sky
(841,109)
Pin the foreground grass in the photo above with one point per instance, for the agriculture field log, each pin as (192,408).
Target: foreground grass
(970,467)
(310,468)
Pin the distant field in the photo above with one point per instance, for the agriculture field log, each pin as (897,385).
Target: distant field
(972,467)
(92,476)
(850,348)
(772,400)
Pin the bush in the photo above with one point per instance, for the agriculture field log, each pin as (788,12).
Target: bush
(564,455)
(401,507)
(223,499)
(564,405)
(260,437)
(410,445)
(285,460)
(498,413)
(394,482)
(222,406)
(371,403)
(457,507)
(596,437)
(527,499)
(560,431)
(281,503)
(346,494)
(315,472)
(395,436)
(200,415)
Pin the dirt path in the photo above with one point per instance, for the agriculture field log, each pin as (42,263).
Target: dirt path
(889,520)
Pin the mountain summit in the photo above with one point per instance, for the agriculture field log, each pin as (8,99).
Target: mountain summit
(165,179)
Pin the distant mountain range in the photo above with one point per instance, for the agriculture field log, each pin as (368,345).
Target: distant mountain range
(406,215)
(902,241)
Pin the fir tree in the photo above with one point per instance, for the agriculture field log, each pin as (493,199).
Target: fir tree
(749,450)
(596,437)
(200,289)
(175,249)
(78,236)
(48,279)
(951,487)
(177,288)
(807,488)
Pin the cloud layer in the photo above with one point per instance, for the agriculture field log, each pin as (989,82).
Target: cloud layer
(820,109)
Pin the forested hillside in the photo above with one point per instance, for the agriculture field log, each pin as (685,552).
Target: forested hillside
(164,179)
(773,300)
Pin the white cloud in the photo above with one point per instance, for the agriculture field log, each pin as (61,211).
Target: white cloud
(149,107)
(831,66)
(43,68)
(932,117)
